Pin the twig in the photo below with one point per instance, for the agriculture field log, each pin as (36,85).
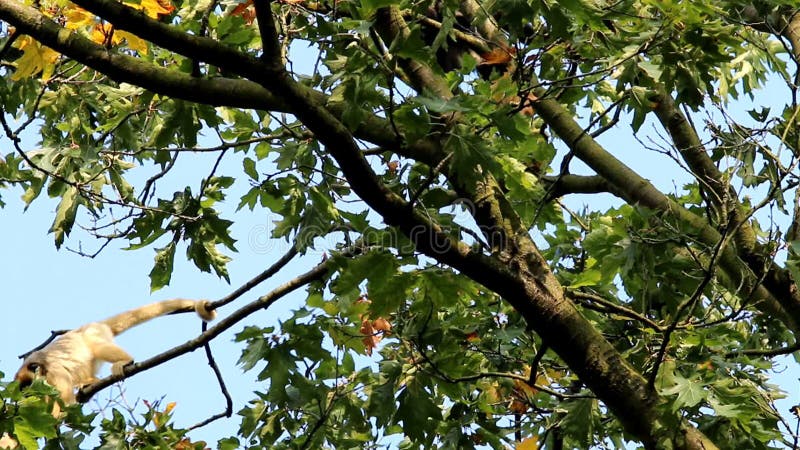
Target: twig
(621,310)
(203,33)
(432,175)
(235,317)
(53,335)
(537,358)
(221,381)
(690,302)
(258,279)
(768,352)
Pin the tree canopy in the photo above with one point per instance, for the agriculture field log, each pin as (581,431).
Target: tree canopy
(516,283)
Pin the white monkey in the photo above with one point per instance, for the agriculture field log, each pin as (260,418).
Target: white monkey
(72,360)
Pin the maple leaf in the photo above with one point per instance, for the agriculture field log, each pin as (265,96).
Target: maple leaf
(524,388)
(35,58)
(134,42)
(392,166)
(76,18)
(518,407)
(531,443)
(497,56)
(153,8)
(245,11)
(382,324)
(105,35)
(370,339)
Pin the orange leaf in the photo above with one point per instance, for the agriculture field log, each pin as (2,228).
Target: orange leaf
(366,327)
(104,34)
(153,8)
(531,443)
(244,10)
(370,340)
(169,408)
(518,407)
(497,57)
(76,18)
(381,324)
(524,388)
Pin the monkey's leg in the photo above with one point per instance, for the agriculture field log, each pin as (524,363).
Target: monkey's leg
(114,354)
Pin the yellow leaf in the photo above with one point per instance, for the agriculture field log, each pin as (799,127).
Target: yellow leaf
(531,443)
(77,18)
(525,388)
(169,408)
(35,58)
(153,8)
(105,35)
(134,42)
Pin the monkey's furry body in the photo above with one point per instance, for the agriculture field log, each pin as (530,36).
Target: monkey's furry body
(72,360)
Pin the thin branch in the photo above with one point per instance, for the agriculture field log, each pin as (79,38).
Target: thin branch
(53,334)
(221,381)
(769,353)
(619,309)
(434,173)
(688,304)
(212,5)
(263,302)
(258,279)
(537,358)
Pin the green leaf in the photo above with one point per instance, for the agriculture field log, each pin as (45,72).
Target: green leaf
(230,443)
(689,393)
(161,273)
(589,277)
(65,215)
(418,413)
(250,168)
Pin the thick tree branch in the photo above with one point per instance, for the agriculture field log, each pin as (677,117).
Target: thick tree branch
(522,276)
(391,26)
(215,92)
(722,196)
(517,271)
(637,190)
(566,184)
(270,45)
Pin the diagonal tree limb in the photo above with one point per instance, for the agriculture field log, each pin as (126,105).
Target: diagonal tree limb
(224,324)
(637,190)
(270,46)
(258,279)
(216,91)
(391,27)
(519,274)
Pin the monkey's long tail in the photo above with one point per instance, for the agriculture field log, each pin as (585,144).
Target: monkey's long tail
(128,319)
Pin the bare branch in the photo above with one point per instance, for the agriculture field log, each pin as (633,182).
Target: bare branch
(53,334)
(235,317)
(221,381)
